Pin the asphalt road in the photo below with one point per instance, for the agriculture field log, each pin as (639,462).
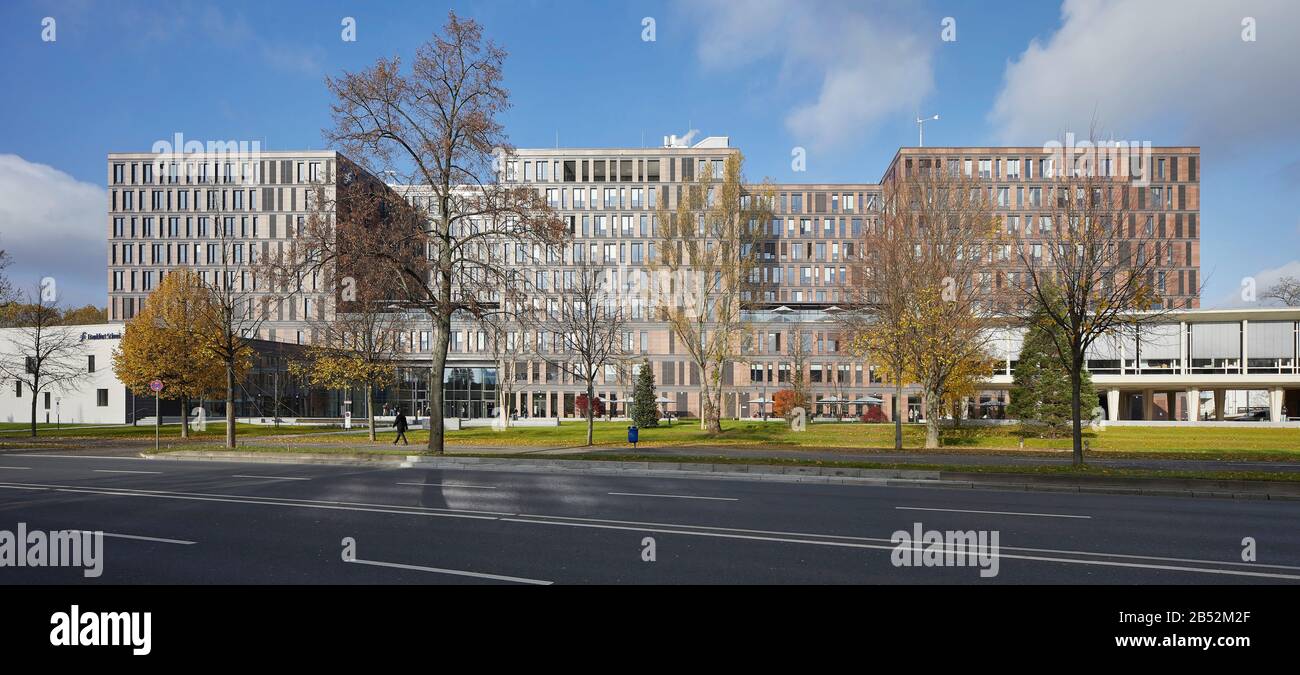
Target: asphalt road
(218,522)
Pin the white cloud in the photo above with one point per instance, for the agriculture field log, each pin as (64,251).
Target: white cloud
(1178,67)
(1262,280)
(865,63)
(53,225)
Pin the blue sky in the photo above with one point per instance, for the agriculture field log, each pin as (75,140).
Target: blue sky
(844,80)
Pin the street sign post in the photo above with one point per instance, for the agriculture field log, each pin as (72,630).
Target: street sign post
(156,386)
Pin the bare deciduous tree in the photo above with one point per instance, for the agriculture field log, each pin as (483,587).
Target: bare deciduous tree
(434,128)
(504,331)
(1091,267)
(1285,291)
(7,294)
(227,324)
(587,329)
(40,355)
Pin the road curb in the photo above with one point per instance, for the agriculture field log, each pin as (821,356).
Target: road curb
(1194,488)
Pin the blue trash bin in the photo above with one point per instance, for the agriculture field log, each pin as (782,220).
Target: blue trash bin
(633,434)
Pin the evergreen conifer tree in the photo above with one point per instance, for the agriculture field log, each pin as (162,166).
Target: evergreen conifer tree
(644,411)
(1040,393)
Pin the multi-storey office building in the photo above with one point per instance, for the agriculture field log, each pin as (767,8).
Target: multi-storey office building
(1161,197)
(214,212)
(608,198)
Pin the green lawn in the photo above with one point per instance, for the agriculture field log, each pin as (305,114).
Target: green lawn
(1244,442)
(215,431)
(1207,442)
(26,426)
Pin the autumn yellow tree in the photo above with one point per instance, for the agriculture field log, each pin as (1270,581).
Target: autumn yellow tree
(704,272)
(965,382)
(163,342)
(878,337)
(927,298)
(342,368)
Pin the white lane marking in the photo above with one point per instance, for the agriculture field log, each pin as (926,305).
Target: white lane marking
(139,492)
(641,494)
(878,539)
(269,477)
(700,530)
(139,537)
(237,499)
(453,485)
(22,487)
(15,468)
(882,547)
(121,471)
(996,513)
(461,573)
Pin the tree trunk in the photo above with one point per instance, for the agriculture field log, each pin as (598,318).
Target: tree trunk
(503,396)
(898,420)
(230,405)
(715,411)
(35,394)
(438,363)
(704,405)
(370,410)
(185,417)
(591,408)
(1076,390)
(932,413)
(710,406)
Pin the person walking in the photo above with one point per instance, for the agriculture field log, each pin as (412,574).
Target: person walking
(400,425)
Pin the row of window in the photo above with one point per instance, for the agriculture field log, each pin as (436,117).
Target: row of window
(162,254)
(101,395)
(606,170)
(262,199)
(578,198)
(1101,163)
(217,171)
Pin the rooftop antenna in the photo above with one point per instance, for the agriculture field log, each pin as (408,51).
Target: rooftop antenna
(920,129)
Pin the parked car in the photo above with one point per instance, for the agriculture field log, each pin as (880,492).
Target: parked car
(1253,416)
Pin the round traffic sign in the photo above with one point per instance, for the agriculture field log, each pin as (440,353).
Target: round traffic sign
(156,386)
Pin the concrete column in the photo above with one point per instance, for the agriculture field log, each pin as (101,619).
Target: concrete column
(1171,401)
(1148,404)
(1275,405)
(1112,404)
(1193,405)
(1220,398)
